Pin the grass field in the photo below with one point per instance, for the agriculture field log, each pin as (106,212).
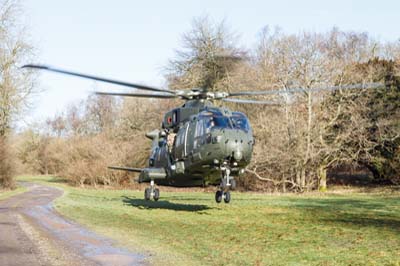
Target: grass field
(345,228)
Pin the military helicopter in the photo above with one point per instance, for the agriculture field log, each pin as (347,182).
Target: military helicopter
(198,144)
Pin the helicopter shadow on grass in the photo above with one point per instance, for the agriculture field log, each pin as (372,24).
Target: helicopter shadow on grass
(164,204)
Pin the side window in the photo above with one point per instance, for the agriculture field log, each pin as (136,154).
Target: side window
(199,128)
(200,132)
(190,142)
(179,143)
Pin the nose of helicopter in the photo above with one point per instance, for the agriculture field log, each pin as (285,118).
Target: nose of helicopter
(238,144)
(238,155)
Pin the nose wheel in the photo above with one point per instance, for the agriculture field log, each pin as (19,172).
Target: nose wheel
(152,192)
(227,183)
(226,196)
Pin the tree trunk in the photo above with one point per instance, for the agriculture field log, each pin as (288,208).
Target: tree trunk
(322,178)
(298,178)
(309,126)
(303,178)
(283,184)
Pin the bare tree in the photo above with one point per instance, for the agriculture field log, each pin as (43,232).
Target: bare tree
(100,113)
(308,61)
(57,125)
(209,53)
(15,85)
(364,128)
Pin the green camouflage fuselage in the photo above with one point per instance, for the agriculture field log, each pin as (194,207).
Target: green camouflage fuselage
(205,138)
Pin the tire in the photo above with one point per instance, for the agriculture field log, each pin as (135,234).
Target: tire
(147,193)
(218,196)
(227,197)
(156,194)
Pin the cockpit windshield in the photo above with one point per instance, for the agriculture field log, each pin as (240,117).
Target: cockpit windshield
(240,121)
(216,120)
(221,122)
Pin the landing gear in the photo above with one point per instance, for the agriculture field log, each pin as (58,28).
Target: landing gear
(147,194)
(156,195)
(227,197)
(218,196)
(152,192)
(227,183)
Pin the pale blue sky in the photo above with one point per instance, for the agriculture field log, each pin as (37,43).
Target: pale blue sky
(133,40)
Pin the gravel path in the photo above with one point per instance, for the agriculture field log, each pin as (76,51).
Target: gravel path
(32,233)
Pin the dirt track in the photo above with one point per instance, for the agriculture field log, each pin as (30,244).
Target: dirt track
(32,233)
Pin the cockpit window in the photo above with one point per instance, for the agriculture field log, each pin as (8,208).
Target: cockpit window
(221,122)
(215,120)
(240,121)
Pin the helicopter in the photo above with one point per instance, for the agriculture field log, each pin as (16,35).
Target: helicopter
(198,143)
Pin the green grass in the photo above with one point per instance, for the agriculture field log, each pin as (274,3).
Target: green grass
(4,194)
(255,229)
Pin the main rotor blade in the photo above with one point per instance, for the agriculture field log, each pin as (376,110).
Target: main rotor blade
(121,83)
(360,86)
(250,101)
(140,95)
(129,169)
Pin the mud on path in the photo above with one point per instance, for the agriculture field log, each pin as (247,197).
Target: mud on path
(32,233)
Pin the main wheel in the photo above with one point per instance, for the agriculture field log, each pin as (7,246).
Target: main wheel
(147,194)
(156,194)
(227,197)
(218,196)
